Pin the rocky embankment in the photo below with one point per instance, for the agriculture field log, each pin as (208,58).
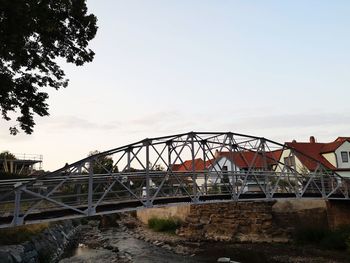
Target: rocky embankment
(175,243)
(125,240)
(47,246)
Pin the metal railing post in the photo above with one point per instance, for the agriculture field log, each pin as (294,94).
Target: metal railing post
(206,171)
(148,198)
(17,219)
(194,175)
(90,210)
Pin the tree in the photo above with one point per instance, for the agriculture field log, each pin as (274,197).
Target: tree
(33,34)
(102,164)
(6,155)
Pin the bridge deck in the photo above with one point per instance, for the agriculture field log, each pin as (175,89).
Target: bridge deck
(109,208)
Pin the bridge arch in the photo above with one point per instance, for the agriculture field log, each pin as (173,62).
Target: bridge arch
(193,167)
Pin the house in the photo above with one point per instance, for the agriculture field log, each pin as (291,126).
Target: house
(241,164)
(334,156)
(231,167)
(200,167)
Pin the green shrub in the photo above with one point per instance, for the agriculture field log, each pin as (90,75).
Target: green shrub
(164,225)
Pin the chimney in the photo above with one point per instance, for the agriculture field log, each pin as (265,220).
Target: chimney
(294,141)
(312,139)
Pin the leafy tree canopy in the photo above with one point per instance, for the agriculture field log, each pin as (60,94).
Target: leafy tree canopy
(33,34)
(102,164)
(7,155)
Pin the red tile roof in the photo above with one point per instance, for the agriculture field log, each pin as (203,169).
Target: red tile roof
(305,150)
(199,165)
(332,146)
(246,159)
(315,150)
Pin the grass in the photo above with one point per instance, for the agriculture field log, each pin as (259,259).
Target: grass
(17,235)
(338,239)
(164,225)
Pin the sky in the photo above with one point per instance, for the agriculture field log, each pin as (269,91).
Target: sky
(275,69)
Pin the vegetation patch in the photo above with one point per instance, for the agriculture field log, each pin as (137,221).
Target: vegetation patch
(20,234)
(168,225)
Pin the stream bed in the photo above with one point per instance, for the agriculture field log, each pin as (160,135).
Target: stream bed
(122,245)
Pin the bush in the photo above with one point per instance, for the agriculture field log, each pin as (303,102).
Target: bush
(164,225)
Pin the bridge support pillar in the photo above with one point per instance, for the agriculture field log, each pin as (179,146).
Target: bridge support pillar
(338,213)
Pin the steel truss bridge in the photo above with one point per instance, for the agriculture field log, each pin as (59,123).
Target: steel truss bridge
(146,174)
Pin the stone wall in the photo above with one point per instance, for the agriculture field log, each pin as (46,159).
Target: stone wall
(338,213)
(48,246)
(231,221)
(256,221)
(259,221)
(297,214)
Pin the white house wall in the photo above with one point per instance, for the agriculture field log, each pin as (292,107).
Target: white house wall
(331,157)
(223,161)
(345,147)
(298,164)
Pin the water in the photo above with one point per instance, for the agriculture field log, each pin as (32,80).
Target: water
(137,250)
(142,252)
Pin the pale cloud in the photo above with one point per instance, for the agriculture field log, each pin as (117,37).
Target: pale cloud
(71,122)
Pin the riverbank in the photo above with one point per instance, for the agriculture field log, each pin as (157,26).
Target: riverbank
(250,252)
(132,241)
(119,243)
(123,238)
(47,246)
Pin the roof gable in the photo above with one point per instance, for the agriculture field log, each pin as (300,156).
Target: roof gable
(252,159)
(305,150)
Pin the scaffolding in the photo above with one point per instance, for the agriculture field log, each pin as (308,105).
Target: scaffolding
(20,164)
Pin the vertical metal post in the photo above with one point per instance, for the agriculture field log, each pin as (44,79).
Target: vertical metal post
(78,186)
(170,166)
(90,210)
(17,219)
(128,168)
(194,175)
(148,199)
(265,174)
(205,169)
(323,189)
(232,168)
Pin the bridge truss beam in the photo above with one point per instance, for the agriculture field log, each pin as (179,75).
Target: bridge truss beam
(193,167)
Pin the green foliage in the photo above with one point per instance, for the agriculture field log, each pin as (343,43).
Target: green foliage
(7,155)
(102,164)
(34,34)
(164,225)
(17,235)
(338,239)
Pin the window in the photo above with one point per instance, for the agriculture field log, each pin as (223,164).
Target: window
(344,157)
